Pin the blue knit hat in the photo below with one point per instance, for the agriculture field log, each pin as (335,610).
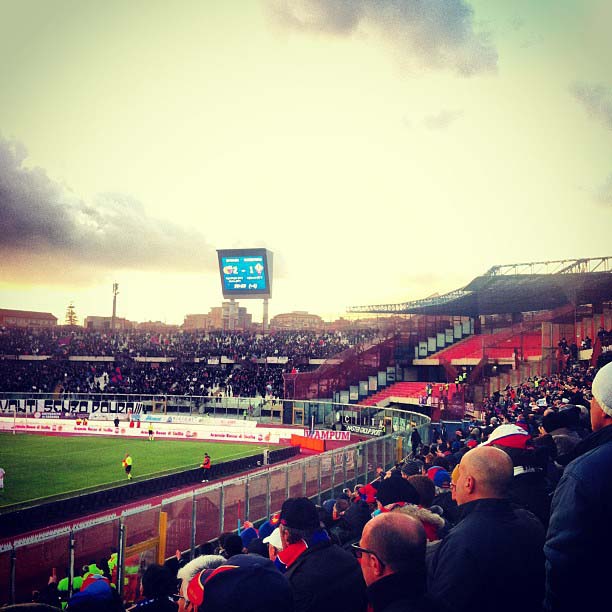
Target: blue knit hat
(442,479)
(269,526)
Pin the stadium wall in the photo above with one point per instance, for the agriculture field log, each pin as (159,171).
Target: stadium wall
(218,429)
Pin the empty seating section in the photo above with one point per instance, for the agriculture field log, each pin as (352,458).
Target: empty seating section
(495,346)
(405,389)
(470,348)
(526,345)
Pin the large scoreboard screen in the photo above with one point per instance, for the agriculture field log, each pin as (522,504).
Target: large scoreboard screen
(245,273)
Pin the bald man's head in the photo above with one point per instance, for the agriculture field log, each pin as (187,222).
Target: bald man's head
(397,539)
(484,472)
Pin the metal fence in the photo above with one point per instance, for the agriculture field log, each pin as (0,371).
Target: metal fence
(152,532)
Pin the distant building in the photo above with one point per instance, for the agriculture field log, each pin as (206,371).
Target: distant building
(230,316)
(197,321)
(340,324)
(299,319)
(26,318)
(104,323)
(156,326)
(227,316)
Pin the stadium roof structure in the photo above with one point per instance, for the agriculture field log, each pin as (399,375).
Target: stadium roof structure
(515,288)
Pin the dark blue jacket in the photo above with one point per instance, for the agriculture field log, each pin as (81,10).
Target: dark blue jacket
(579,539)
(491,560)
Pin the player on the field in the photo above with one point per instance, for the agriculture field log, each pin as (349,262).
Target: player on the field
(206,463)
(127,464)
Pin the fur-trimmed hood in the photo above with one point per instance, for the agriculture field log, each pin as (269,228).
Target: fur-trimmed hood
(189,570)
(433,523)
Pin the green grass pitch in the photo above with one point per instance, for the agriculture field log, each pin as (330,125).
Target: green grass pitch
(40,467)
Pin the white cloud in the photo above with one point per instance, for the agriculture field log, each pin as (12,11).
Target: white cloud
(437,34)
(604,194)
(441,120)
(596,99)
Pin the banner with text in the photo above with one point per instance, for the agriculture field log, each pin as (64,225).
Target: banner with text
(325,434)
(181,432)
(365,431)
(68,407)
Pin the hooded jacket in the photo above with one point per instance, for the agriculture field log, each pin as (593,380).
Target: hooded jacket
(433,523)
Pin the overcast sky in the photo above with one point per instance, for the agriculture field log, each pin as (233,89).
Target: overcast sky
(383,150)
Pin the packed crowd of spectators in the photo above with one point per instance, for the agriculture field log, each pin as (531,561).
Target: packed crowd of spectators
(65,378)
(526,399)
(181,376)
(505,513)
(184,344)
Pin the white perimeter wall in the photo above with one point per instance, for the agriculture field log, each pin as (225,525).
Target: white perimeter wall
(215,429)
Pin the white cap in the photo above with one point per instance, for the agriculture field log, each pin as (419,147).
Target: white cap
(275,539)
(509,434)
(602,388)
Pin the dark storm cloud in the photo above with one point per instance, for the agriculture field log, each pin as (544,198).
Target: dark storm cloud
(437,34)
(596,99)
(43,220)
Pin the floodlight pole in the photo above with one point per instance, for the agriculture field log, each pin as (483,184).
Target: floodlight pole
(232,309)
(115,292)
(264,323)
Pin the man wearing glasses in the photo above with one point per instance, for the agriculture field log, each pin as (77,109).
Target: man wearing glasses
(391,553)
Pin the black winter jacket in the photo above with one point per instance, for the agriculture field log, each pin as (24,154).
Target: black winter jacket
(491,560)
(325,578)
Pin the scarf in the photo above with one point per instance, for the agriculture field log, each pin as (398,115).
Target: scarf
(287,557)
